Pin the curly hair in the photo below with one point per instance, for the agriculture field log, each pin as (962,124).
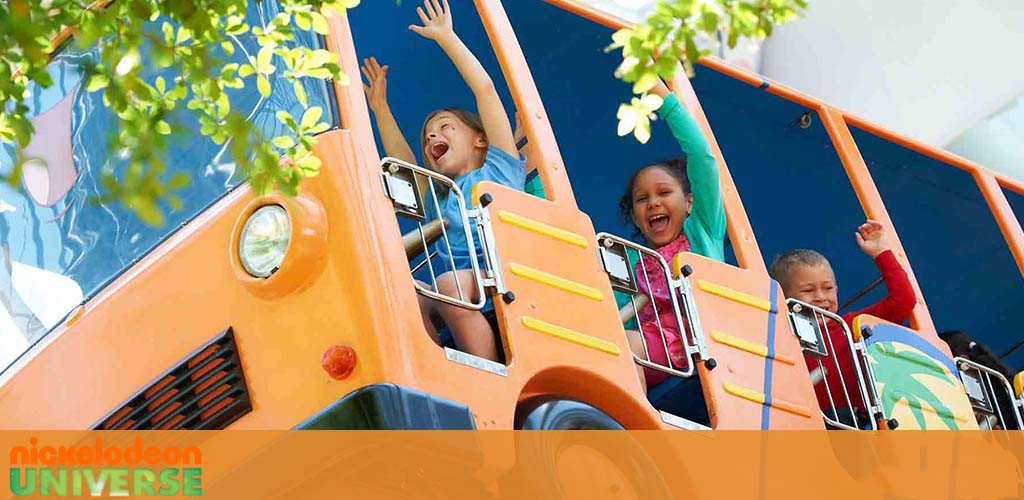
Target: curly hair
(676,167)
(961,344)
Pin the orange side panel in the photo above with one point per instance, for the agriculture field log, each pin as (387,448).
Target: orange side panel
(732,303)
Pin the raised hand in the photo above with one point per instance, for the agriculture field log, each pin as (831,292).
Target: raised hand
(436,18)
(377,90)
(872,238)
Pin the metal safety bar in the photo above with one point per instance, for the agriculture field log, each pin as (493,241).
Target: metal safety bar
(613,254)
(810,325)
(408,186)
(982,385)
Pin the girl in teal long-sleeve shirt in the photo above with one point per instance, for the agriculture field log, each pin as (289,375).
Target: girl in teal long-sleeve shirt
(677,206)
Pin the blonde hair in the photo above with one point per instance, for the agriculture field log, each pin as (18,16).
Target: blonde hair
(782,264)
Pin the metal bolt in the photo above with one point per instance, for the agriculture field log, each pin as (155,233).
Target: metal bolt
(805,120)
(508,297)
(866,332)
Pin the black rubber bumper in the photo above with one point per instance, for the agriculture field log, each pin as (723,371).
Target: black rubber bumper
(391,407)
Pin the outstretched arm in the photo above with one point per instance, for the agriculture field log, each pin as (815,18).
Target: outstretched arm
(395,144)
(873,240)
(437,26)
(701,170)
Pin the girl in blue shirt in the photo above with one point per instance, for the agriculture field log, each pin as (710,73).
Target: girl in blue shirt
(464,147)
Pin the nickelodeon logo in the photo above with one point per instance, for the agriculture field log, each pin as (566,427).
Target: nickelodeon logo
(101,470)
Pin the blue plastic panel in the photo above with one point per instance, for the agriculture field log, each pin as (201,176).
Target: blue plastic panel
(966,272)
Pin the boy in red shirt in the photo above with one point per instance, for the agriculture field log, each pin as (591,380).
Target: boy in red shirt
(806,275)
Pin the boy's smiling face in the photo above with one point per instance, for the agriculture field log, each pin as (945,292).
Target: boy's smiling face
(659,206)
(814,284)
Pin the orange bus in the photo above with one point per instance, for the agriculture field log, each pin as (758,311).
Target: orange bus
(271,312)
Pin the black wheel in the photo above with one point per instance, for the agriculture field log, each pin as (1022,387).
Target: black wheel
(583,464)
(563,415)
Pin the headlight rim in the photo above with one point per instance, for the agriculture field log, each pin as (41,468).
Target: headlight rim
(250,219)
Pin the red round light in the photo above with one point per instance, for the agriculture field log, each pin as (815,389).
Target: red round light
(339,361)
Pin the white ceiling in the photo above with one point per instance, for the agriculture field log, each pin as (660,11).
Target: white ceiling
(928,69)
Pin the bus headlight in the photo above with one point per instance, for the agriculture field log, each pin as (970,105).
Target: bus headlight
(264,240)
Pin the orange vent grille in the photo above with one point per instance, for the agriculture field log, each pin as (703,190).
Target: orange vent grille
(206,390)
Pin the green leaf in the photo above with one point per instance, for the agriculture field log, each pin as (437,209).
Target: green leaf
(651,102)
(287,119)
(343,80)
(692,53)
(263,84)
(300,93)
(320,127)
(283,141)
(309,166)
(184,35)
(621,38)
(97,82)
(627,119)
(162,128)
(311,117)
(168,32)
(709,21)
(643,129)
(646,82)
(303,21)
(145,207)
(161,85)
(320,57)
(179,180)
(263,60)
(321,73)
(320,24)
(175,203)
(228,70)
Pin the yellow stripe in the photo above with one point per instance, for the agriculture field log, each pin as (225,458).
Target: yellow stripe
(542,228)
(570,335)
(743,392)
(735,295)
(556,281)
(758,397)
(746,345)
(793,408)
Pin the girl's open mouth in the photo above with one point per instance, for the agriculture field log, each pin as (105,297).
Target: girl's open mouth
(438,150)
(658,223)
